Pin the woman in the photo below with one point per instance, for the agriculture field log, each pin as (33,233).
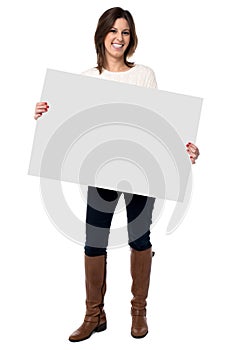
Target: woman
(115,42)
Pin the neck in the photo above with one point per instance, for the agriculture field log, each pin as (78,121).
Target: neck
(115,65)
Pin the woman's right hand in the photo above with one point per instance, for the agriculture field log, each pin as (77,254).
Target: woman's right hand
(41,107)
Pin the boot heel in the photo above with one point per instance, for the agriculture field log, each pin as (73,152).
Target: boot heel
(101,328)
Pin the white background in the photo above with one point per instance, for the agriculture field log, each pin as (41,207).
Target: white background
(187,43)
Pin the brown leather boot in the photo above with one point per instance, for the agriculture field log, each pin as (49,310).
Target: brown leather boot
(140,271)
(95,318)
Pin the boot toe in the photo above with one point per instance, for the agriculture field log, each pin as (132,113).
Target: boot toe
(139,332)
(82,333)
(75,336)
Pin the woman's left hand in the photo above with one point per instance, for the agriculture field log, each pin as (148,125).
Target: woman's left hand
(193,152)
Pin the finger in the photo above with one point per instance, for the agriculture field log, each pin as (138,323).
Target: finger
(41,110)
(192,154)
(41,103)
(193,150)
(192,146)
(36,116)
(192,160)
(42,106)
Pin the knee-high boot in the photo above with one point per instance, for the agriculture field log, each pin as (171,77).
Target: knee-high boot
(95,318)
(140,271)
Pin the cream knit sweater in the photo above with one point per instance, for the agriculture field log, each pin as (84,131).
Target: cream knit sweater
(138,75)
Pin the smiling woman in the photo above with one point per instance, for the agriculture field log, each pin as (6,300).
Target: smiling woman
(115,38)
(115,42)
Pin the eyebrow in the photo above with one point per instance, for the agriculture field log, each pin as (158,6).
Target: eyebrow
(122,30)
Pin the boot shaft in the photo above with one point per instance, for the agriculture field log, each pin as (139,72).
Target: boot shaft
(95,271)
(140,272)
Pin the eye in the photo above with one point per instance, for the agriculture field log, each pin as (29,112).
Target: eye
(126,33)
(112,30)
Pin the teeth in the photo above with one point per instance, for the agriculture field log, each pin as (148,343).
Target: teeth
(117,46)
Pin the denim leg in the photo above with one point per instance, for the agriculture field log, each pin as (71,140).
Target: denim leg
(139,213)
(142,243)
(101,204)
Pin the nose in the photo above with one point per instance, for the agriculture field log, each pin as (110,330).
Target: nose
(119,36)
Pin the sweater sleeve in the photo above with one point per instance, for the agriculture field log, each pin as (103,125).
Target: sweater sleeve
(151,79)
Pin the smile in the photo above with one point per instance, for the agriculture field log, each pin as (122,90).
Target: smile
(117,46)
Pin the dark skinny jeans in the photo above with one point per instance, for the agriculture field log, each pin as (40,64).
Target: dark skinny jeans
(101,204)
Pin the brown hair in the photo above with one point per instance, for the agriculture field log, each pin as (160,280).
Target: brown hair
(104,25)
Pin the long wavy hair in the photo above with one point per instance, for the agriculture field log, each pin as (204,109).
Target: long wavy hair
(105,23)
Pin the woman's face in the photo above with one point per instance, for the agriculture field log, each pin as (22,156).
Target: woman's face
(117,40)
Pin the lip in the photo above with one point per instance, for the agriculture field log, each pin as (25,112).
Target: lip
(117,48)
